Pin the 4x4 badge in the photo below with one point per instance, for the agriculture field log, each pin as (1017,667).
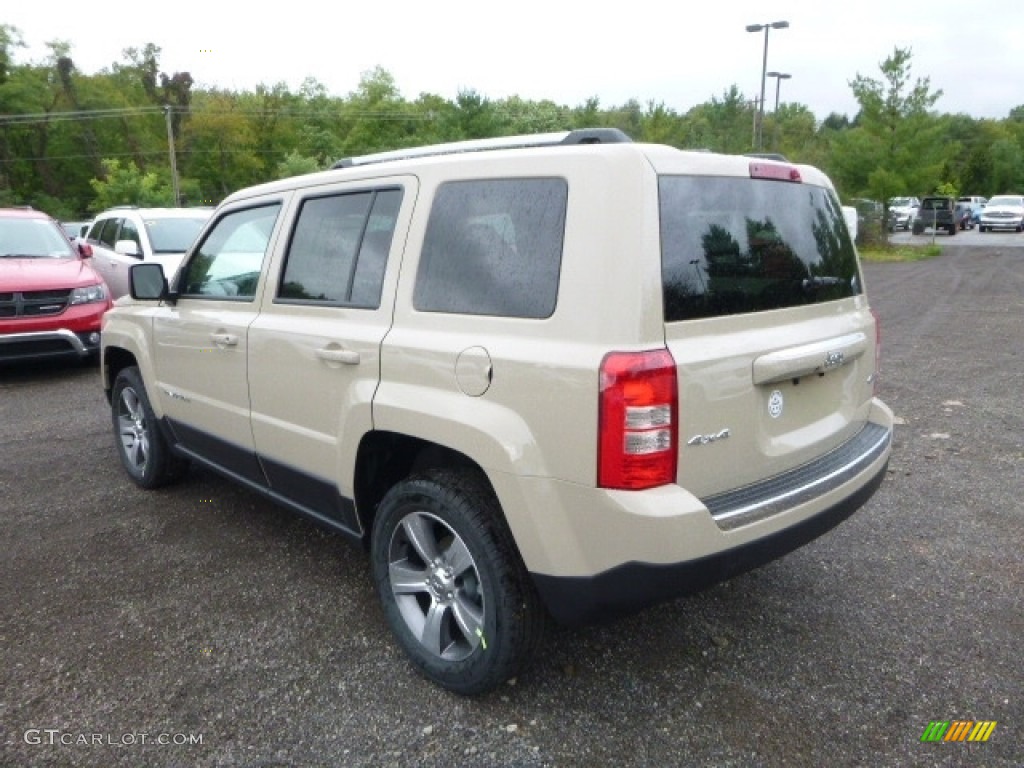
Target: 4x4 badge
(705,439)
(775,403)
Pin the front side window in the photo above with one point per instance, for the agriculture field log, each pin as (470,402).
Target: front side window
(130,232)
(339,249)
(493,247)
(735,245)
(227,264)
(106,232)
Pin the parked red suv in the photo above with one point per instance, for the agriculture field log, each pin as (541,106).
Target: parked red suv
(51,299)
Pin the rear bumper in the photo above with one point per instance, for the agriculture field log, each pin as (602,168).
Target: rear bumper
(595,554)
(622,590)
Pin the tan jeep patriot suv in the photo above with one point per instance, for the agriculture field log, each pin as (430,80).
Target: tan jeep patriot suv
(563,374)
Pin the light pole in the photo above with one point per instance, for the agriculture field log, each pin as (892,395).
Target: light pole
(764,70)
(174,162)
(779,77)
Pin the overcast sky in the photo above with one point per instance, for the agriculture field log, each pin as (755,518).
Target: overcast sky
(681,53)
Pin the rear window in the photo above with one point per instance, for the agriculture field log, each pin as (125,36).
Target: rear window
(493,247)
(736,245)
(174,235)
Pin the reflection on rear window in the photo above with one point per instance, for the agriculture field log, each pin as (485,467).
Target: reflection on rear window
(734,245)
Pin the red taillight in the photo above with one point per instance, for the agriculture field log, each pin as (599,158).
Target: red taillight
(638,420)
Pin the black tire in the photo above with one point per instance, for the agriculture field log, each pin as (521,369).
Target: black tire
(446,570)
(917,230)
(952,229)
(145,454)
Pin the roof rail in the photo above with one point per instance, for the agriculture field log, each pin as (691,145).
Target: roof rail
(579,136)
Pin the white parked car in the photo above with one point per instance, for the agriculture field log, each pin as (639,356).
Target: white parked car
(123,236)
(902,211)
(1003,212)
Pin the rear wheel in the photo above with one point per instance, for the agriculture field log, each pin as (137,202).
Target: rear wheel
(454,590)
(144,452)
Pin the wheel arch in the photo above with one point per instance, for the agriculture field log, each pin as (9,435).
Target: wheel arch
(386,458)
(115,360)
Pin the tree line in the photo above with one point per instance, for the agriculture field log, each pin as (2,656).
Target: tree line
(73,143)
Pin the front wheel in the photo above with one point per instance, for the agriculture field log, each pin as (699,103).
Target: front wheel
(144,452)
(453,588)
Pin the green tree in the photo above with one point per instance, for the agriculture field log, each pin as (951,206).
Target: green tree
(219,146)
(377,116)
(721,125)
(1007,167)
(295,164)
(895,146)
(127,185)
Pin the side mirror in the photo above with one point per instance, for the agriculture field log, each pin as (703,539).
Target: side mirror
(128,248)
(84,250)
(147,282)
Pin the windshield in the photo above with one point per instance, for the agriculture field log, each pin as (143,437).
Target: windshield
(33,239)
(901,202)
(174,235)
(1006,200)
(734,245)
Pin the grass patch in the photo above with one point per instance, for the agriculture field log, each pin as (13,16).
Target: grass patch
(887,252)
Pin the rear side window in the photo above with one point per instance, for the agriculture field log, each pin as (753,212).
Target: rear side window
(493,247)
(339,249)
(736,245)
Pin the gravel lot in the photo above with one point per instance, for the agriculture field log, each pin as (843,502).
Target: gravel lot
(204,613)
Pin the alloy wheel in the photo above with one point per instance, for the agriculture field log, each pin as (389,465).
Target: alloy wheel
(133,429)
(436,585)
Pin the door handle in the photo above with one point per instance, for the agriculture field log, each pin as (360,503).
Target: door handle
(334,355)
(224,339)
